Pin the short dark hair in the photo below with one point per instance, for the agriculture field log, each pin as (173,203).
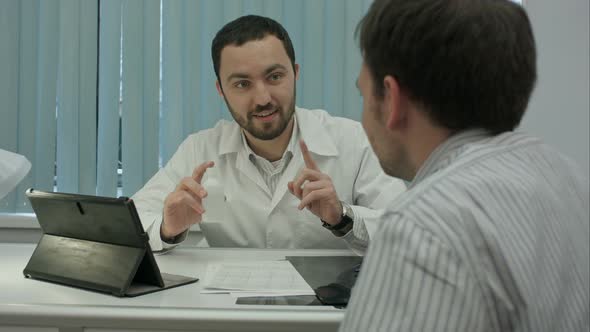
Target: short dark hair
(245,29)
(469,63)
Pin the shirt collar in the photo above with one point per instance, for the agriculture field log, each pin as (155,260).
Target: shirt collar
(447,152)
(307,126)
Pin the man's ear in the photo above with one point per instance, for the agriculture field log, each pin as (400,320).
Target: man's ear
(393,102)
(296,67)
(218,86)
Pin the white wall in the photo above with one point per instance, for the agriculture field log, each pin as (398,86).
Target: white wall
(559,109)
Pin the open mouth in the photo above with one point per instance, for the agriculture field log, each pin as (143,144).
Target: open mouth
(266,115)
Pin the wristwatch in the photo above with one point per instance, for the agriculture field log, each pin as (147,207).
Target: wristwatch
(346,222)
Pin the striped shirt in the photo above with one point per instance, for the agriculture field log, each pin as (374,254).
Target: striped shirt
(271,171)
(492,235)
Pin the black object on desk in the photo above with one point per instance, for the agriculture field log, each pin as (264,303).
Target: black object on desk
(331,277)
(96,243)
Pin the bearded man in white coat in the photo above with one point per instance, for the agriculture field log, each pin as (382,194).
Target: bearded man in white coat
(280,176)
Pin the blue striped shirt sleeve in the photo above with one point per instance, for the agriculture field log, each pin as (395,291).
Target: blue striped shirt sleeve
(412,281)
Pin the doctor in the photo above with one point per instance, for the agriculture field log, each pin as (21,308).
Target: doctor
(280,176)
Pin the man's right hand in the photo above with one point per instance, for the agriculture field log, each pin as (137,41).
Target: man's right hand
(183,207)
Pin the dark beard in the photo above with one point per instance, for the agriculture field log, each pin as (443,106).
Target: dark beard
(265,133)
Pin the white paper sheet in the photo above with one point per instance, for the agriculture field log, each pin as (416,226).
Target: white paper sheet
(255,278)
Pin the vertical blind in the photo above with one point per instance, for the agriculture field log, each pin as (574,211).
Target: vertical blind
(48,93)
(99,94)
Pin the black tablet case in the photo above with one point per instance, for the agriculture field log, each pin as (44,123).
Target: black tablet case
(96,243)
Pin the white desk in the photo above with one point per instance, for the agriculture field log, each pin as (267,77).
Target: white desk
(32,305)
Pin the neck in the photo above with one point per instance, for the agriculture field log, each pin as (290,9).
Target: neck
(273,149)
(421,145)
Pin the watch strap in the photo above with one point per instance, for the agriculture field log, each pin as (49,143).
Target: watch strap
(346,222)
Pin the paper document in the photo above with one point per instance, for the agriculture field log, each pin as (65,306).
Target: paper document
(265,278)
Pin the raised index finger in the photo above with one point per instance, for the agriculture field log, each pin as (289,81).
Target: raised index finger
(309,162)
(199,171)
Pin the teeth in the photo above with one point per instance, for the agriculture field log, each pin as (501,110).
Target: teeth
(264,114)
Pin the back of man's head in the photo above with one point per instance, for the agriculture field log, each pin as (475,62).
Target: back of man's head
(468,63)
(248,28)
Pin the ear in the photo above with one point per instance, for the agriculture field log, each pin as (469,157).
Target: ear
(296,71)
(393,102)
(218,86)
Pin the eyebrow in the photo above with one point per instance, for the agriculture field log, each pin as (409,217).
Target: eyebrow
(273,68)
(266,72)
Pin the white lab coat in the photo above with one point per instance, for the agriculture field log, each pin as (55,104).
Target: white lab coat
(251,215)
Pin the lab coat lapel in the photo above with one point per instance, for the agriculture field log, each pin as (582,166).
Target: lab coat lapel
(247,168)
(318,141)
(289,174)
(231,142)
(313,130)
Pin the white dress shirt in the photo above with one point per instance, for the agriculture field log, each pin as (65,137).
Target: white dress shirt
(272,171)
(492,235)
(252,215)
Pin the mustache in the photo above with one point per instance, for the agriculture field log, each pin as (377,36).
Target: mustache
(262,108)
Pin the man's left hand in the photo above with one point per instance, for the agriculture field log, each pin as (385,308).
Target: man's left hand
(316,190)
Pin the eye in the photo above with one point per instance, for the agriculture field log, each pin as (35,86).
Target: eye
(242,84)
(275,76)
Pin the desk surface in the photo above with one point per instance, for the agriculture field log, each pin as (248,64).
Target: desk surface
(38,303)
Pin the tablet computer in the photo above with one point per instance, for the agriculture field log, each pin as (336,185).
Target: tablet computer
(95,243)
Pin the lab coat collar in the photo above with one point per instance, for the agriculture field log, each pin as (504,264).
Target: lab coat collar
(310,129)
(314,133)
(231,139)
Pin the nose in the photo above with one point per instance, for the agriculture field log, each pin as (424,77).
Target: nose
(262,95)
